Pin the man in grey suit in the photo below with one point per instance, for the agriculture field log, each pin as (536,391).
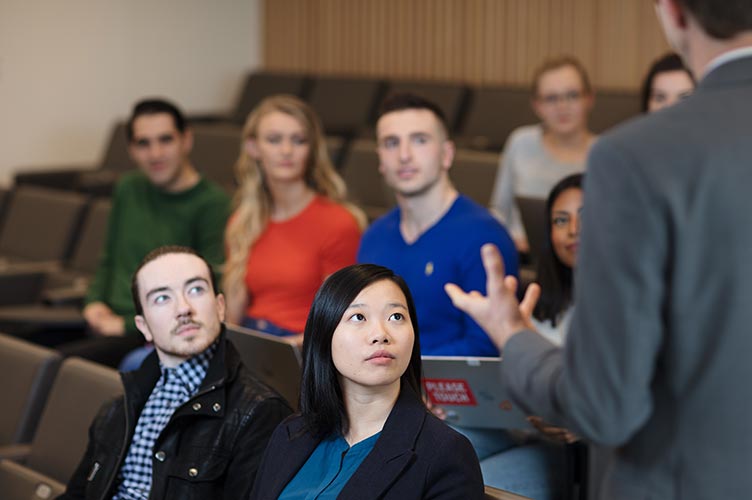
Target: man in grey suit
(657,361)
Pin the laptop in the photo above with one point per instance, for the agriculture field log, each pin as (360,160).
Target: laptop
(533,215)
(470,392)
(275,360)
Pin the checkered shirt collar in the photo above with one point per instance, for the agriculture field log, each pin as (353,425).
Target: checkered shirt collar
(176,386)
(190,373)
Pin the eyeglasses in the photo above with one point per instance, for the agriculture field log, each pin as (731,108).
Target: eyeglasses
(567,97)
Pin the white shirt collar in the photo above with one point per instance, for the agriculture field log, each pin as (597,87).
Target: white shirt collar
(726,57)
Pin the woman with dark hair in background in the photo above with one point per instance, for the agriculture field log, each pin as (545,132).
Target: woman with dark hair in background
(668,81)
(363,431)
(525,463)
(558,258)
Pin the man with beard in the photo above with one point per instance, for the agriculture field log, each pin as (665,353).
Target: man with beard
(194,421)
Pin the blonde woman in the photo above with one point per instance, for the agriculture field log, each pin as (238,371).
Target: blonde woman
(291,227)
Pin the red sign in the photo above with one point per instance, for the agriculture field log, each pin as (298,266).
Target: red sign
(442,391)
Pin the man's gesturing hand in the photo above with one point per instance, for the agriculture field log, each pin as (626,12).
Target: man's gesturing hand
(499,313)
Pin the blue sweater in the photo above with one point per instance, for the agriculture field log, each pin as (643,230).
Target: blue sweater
(449,251)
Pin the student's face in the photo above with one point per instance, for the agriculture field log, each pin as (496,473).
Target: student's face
(281,146)
(160,150)
(561,102)
(373,343)
(565,225)
(182,316)
(414,152)
(668,88)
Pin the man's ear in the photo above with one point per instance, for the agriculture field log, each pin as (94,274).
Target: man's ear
(447,154)
(143,327)
(221,307)
(673,12)
(678,12)
(187,141)
(381,166)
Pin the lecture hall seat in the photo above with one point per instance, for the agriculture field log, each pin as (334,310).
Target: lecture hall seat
(27,372)
(97,179)
(365,184)
(80,389)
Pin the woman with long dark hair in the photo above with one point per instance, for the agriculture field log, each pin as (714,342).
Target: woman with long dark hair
(523,462)
(363,430)
(558,258)
(668,81)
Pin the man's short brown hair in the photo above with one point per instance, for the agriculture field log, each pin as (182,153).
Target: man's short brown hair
(721,19)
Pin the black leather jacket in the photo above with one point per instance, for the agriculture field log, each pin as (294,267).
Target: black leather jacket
(210,448)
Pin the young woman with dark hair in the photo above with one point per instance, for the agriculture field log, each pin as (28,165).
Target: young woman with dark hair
(363,430)
(522,462)
(558,257)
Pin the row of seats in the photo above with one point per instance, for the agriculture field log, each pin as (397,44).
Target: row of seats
(479,117)
(216,149)
(48,405)
(473,173)
(50,244)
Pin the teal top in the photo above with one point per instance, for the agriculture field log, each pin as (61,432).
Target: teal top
(144,217)
(328,469)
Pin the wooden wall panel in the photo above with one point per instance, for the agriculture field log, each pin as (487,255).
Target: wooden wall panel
(473,41)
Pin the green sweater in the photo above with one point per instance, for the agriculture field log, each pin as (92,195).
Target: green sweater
(144,217)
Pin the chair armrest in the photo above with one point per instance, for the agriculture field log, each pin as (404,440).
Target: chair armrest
(21,285)
(64,297)
(15,452)
(17,481)
(59,178)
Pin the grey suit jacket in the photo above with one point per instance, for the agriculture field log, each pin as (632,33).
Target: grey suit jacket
(657,362)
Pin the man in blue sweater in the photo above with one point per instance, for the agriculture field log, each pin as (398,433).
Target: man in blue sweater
(435,234)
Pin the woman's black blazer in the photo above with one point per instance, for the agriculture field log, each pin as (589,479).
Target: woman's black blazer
(417,456)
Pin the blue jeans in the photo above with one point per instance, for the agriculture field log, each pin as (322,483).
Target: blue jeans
(517,461)
(132,361)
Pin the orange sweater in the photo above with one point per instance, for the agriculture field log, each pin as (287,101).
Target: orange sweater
(291,259)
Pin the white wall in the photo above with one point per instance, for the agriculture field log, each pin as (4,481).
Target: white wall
(69,69)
